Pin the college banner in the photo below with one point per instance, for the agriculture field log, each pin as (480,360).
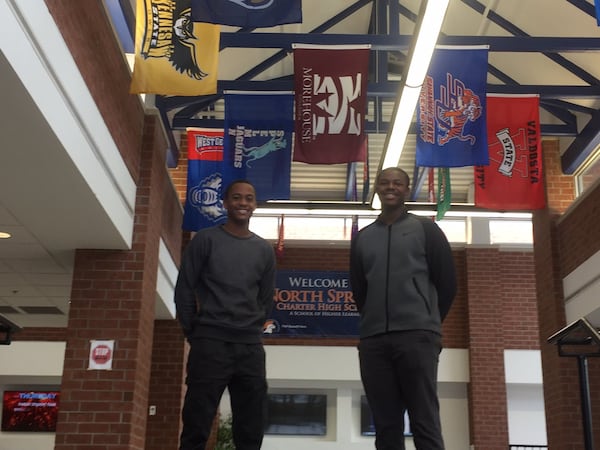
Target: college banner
(247,14)
(173,55)
(258,141)
(451,115)
(444,193)
(330,84)
(312,303)
(513,180)
(204,194)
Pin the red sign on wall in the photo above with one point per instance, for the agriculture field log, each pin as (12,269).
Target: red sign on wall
(101,355)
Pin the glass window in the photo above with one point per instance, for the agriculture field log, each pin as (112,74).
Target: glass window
(511,232)
(504,231)
(589,174)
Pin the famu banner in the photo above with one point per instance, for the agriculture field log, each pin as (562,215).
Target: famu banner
(204,197)
(313,303)
(330,84)
(513,180)
(451,115)
(173,55)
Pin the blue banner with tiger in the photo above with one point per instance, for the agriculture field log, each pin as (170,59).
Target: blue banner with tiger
(451,114)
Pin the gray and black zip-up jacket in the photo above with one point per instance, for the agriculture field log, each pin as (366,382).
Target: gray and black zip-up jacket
(402,275)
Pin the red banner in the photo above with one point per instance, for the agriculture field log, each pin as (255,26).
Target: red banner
(331,101)
(514,179)
(203,201)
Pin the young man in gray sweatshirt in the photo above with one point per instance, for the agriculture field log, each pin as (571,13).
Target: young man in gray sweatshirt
(223,295)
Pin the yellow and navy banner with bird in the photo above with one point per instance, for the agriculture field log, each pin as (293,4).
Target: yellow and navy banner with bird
(173,55)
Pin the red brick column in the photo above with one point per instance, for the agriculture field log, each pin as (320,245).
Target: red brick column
(487,387)
(561,380)
(166,386)
(113,297)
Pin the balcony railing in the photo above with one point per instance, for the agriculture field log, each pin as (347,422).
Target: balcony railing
(527,447)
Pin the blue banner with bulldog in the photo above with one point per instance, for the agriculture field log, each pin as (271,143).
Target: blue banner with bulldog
(312,303)
(203,201)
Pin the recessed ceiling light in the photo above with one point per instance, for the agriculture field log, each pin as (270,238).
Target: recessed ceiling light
(4,235)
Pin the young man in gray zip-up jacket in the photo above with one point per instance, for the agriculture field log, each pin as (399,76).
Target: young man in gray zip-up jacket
(403,281)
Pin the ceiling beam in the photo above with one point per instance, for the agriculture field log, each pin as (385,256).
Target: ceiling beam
(389,89)
(181,123)
(401,42)
(583,146)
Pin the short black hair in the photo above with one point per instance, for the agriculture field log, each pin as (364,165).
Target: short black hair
(398,169)
(233,183)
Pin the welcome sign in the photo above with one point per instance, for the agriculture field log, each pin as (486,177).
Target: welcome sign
(313,303)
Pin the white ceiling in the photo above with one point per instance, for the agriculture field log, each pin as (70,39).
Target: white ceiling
(59,191)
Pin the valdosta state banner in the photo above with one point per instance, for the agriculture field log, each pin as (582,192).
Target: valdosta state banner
(513,180)
(330,84)
(173,55)
(312,303)
(247,13)
(258,141)
(451,114)
(204,196)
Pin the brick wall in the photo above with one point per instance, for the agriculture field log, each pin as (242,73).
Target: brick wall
(560,188)
(561,395)
(455,329)
(487,389)
(166,386)
(113,293)
(519,300)
(41,334)
(579,232)
(179,173)
(578,237)
(90,37)
(91,40)
(113,296)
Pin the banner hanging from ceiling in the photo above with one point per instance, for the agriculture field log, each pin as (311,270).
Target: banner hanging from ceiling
(330,84)
(173,55)
(204,194)
(451,113)
(513,180)
(258,141)
(247,14)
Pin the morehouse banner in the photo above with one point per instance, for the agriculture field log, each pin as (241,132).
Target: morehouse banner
(330,84)
(312,303)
